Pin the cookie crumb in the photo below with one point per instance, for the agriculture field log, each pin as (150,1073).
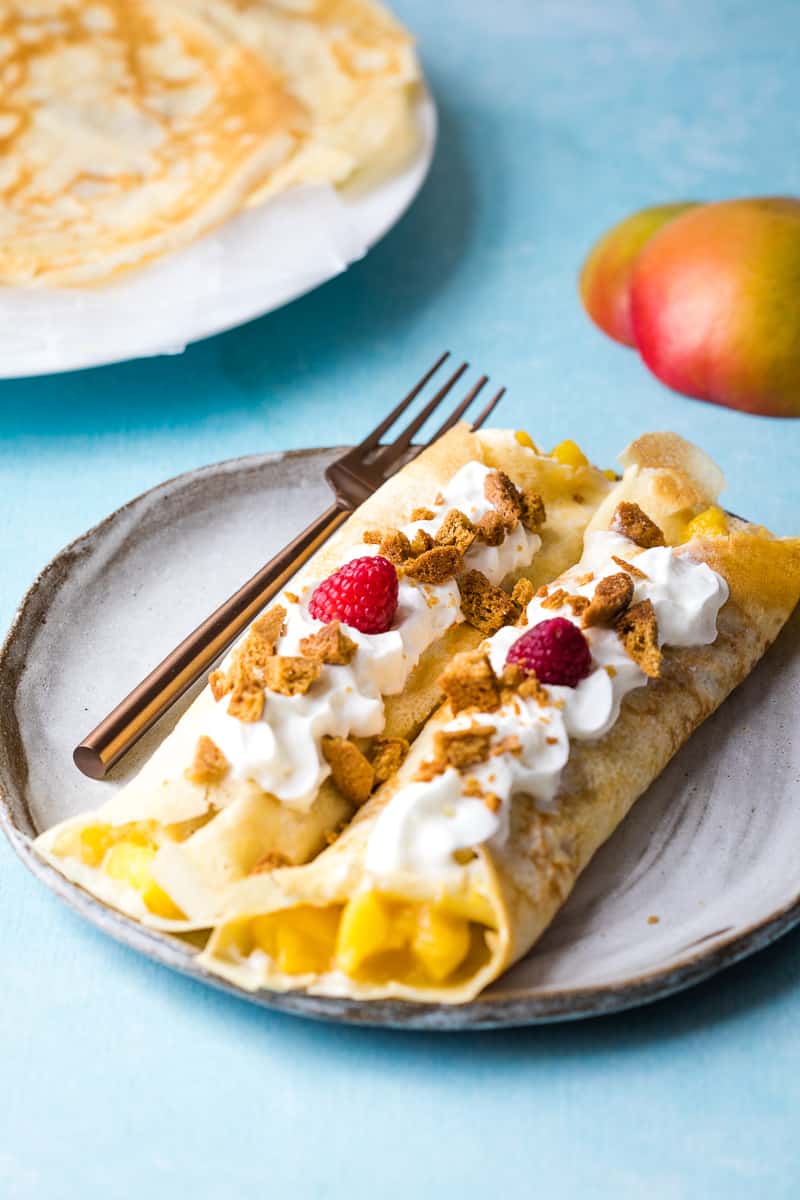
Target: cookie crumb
(351,770)
(638,630)
(462,748)
(247,703)
(491,528)
(611,597)
(421,542)
(485,606)
(629,567)
(456,530)
(291,676)
(209,765)
(522,593)
(633,522)
(329,645)
(388,755)
(503,496)
(469,682)
(422,514)
(436,565)
(556,599)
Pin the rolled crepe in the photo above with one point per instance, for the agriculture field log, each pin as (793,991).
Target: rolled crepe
(457,866)
(223,796)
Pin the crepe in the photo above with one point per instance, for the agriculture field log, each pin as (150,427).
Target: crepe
(391,909)
(353,68)
(131,127)
(167,847)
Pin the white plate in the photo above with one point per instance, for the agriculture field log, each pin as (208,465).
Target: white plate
(254,263)
(710,850)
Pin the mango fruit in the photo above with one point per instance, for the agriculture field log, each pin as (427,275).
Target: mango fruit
(605,278)
(715,304)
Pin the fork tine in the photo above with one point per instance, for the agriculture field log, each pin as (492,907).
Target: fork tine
(403,441)
(372,439)
(461,408)
(482,417)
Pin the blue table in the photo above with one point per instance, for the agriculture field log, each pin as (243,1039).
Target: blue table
(118,1079)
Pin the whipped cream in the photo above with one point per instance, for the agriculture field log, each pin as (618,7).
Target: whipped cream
(282,751)
(425,823)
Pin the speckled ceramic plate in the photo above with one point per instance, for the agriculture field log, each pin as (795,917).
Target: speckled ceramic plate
(703,872)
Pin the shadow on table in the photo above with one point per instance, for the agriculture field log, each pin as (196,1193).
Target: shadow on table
(375,298)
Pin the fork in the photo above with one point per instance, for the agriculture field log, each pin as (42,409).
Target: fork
(352,477)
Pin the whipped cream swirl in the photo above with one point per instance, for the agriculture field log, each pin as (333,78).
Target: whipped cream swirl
(282,752)
(425,823)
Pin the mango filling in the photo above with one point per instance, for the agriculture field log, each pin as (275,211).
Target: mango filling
(712,522)
(569,454)
(124,853)
(375,937)
(526,440)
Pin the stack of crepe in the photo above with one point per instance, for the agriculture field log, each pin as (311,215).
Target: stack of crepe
(131,127)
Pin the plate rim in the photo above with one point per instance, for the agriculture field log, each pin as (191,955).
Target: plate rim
(416,172)
(515,1008)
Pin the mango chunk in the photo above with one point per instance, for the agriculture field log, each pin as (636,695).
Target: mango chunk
(712,522)
(130,862)
(468,904)
(526,440)
(299,940)
(441,942)
(569,454)
(365,929)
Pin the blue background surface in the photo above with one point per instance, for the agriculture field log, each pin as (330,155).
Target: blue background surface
(118,1079)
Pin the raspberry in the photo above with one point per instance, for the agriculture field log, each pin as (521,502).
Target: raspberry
(555,651)
(362,593)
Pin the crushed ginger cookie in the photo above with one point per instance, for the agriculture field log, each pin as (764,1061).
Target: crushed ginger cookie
(388,755)
(291,676)
(421,542)
(469,682)
(352,771)
(462,748)
(611,597)
(630,568)
(522,593)
(638,630)
(209,765)
(631,521)
(502,494)
(329,645)
(491,528)
(556,599)
(422,514)
(485,606)
(270,625)
(436,565)
(456,530)
(247,702)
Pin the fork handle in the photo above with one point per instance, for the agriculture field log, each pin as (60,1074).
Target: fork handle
(134,715)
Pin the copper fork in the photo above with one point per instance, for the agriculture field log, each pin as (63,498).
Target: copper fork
(353,477)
